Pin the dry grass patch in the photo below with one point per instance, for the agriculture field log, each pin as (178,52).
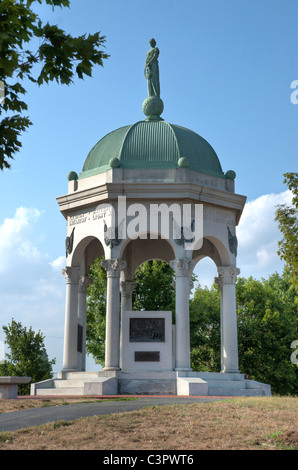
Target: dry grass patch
(19,404)
(244,423)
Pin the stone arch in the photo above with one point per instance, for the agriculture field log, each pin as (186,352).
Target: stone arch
(138,251)
(86,251)
(214,249)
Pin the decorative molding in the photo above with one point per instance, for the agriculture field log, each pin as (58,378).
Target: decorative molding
(69,243)
(113,266)
(182,240)
(71,274)
(84,282)
(233,242)
(227,275)
(107,236)
(127,288)
(182,267)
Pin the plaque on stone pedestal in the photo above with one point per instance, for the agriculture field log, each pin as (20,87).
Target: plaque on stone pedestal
(147,356)
(147,330)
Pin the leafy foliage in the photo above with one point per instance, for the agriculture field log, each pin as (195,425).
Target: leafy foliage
(267,325)
(204,311)
(155,287)
(28,356)
(25,44)
(96,312)
(287,217)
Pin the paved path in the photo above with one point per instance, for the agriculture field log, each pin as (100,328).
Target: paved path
(36,416)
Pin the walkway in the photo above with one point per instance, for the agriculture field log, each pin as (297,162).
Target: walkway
(37,416)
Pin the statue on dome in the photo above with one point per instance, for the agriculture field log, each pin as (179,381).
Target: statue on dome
(151,71)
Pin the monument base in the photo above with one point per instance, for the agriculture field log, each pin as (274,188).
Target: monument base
(192,383)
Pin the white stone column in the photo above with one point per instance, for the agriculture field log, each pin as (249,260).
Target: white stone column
(183,269)
(71,275)
(84,281)
(227,277)
(126,288)
(112,343)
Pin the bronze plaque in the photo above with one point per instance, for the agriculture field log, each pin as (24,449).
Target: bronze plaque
(80,339)
(147,356)
(147,330)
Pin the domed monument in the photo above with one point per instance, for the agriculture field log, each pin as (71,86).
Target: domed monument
(149,190)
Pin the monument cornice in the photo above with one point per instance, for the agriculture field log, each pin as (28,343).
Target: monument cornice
(151,192)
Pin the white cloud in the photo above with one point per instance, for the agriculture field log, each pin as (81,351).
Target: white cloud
(32,288)
(14,236)
(58,263)
(258,235)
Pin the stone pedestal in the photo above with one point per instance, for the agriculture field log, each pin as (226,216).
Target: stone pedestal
(146,339)
(9,386)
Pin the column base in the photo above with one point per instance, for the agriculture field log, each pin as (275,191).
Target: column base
(111,368)
(183,369)
(230,371)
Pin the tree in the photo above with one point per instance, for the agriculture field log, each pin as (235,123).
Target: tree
(155,287)
(28,356)
(41,53)
(96,312)
(267,325)
(287,218)
(204,312)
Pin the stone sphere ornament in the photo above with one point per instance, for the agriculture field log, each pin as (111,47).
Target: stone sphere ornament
(72,176)
(183,162)
(114,163)
(153,107)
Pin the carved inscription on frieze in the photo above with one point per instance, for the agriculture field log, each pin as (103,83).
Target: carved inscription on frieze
(89,216)
(218,215)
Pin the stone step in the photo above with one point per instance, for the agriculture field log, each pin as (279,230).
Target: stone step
(79,375)
(237,384)
(72,383)
(234,392)
(60,391)
(223,376)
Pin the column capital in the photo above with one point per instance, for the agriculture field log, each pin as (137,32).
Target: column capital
(227,275)
(84,282)
(127,288)
(71,274)
(113,266)
(182,267)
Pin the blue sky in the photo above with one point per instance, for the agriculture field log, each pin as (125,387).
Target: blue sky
(226,69)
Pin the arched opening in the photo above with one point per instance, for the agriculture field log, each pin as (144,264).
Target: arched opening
(77,281)
(205,319)
(138,251)
(86,251)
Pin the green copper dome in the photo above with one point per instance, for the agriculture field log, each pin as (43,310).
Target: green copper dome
(152,144)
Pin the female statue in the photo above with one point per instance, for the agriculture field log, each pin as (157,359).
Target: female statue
(151,70)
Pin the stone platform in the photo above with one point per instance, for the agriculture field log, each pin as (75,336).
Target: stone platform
(151,383)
